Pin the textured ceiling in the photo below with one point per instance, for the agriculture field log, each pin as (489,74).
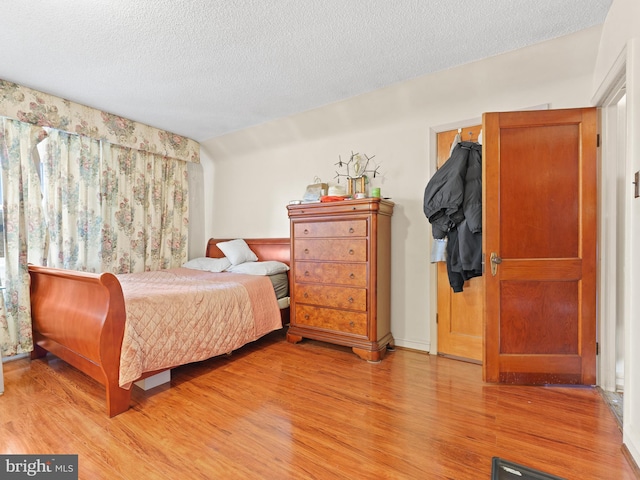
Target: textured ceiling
(203,68)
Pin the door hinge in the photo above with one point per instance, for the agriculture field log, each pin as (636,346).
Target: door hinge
(598,140)
(597,348)
(436,318)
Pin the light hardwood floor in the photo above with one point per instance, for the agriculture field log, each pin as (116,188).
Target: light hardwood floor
(274,410)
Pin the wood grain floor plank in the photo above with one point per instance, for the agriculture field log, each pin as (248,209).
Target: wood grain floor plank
(275,410)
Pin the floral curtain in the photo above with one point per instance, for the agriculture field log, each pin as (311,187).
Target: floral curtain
(145,207)
(71,184)
(111,208)
(24,230)
(39,108)
(115,196)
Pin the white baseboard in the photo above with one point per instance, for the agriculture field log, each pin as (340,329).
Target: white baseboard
(421,346)
(632,443)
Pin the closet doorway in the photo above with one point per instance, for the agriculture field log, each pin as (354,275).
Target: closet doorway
(460,330)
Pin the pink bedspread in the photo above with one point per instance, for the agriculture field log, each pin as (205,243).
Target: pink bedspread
(179,316)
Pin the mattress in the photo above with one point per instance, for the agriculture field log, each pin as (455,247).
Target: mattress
(280,283)
(180,316)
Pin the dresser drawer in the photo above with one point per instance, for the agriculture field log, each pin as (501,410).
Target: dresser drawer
(338,297)
(352,274)
(330,319)
(337,228)
(337,249)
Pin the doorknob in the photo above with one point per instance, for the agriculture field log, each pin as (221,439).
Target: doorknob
(495,261)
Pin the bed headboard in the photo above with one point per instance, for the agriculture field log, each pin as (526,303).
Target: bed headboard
(264,248)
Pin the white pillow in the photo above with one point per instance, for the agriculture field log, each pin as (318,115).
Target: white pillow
(270,267)
(209,264)
(237,251)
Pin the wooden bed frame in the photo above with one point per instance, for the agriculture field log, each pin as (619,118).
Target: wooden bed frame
(79,317)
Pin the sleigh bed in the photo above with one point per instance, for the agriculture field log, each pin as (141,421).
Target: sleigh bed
(117,338)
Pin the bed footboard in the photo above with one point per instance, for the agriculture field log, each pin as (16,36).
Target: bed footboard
(79,317)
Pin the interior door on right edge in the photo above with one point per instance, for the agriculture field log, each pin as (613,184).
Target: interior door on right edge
(539,242)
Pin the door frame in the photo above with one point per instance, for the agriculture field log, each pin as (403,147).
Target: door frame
(613,156)
(612,228)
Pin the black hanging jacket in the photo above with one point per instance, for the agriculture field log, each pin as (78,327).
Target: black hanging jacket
(453,206)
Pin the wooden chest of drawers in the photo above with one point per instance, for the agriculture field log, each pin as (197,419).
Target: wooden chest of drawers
(340,274)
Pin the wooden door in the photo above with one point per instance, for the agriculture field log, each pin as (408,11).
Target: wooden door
(459,314)
(539,208)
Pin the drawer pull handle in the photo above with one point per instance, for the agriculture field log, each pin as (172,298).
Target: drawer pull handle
(352,324)
(306,250)
(350,299)
(352,276)
(351,230)
(351,252)
(306,232)
(306,295)
(306,273)
(306,316)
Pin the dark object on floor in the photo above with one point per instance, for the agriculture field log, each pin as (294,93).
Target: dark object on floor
(504,470)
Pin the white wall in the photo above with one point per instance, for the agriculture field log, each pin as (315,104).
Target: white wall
(632,322)
(621,39)
(251,175)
